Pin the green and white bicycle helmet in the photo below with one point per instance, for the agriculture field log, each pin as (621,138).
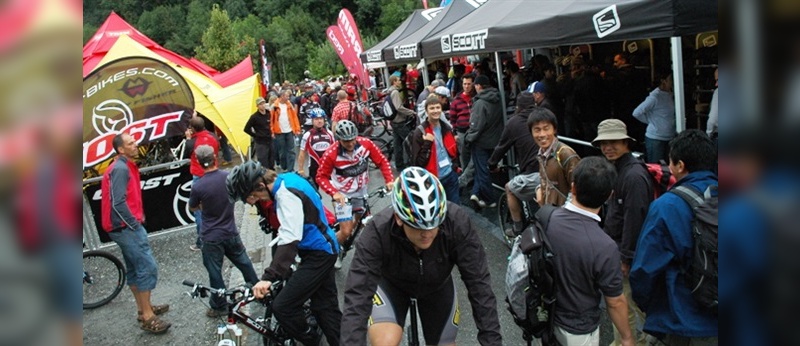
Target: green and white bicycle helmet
(419,199)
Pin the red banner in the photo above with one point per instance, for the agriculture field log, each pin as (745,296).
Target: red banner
(352,37)
(350,60)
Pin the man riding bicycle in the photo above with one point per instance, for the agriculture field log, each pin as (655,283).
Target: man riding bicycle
(344,172)
(314,143)
(304,231)
(408,252)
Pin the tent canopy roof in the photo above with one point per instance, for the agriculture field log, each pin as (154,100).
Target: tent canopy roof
(513,24)
(414,21)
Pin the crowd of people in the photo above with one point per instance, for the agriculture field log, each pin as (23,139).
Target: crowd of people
(616,241)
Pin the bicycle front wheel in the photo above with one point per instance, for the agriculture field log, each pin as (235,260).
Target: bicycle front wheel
(504,219)
(103,278)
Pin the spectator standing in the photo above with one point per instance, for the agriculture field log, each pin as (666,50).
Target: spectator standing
(260,130)
(123,219)
(460,109)
(285,126)
(664,249)
(628,88)
(587,260)
(402,125)
(342,109)
(220,235)
(658,112)
(485,128)
(626,209)
(197,135)
(713,111)
(314,143)
(434,148)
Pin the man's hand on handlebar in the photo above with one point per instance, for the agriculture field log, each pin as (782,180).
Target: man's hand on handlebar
(261,289)
(389,186)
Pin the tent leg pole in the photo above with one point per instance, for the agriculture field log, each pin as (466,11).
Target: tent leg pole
(425,78)
(677,84)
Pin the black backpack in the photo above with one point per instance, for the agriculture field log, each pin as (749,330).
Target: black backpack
(702,270)
(407,144)
(387,108)
(531,280)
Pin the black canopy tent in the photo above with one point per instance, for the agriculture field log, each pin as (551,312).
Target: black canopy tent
(407,49)
(373,57)
(513,24)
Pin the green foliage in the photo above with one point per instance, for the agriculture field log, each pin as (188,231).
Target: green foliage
(161,22)
(222,32)
(236,8)
(323,60)
(190,32)
(219,48)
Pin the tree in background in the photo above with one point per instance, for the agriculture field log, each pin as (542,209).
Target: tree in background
(219,48)
(286,38)
(190,34)
(162,22)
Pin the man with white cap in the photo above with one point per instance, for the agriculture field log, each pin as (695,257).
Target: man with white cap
(627,207)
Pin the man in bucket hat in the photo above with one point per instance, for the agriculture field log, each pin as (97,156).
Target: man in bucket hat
(627,207)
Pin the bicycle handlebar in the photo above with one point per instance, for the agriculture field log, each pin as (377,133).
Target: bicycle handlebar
(245,290)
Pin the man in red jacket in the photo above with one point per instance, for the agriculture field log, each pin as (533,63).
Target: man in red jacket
(459,116)
(122,217)
(197,135)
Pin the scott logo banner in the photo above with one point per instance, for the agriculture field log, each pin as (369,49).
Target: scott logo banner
(468,41)
(140,96)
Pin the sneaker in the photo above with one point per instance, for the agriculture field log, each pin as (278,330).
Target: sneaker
(214,313)
(194,247)
(493,205)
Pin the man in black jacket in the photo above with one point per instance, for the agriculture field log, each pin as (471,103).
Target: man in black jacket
(258,127)
(627,207)
(485,128)
(406,254)
(523,185)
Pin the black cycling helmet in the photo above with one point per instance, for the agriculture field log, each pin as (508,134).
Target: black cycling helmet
(346,130)
(241,180)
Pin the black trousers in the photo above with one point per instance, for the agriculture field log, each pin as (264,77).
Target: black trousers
(315,280)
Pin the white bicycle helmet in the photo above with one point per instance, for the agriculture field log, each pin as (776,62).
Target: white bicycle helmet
(419,199)
(346,130)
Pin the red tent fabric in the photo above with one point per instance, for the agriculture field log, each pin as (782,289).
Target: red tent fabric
(235,74)
(209,69)
(114,26)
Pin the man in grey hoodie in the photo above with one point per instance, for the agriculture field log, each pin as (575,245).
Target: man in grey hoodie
(485,129)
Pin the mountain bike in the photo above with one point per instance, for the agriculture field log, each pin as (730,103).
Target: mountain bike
(529,209)
(238,297)
(365,217)
(103,278)
(386,147)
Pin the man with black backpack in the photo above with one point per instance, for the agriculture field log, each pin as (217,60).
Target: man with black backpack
(586,261)
(680,230)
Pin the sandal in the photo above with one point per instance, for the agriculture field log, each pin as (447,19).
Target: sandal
(157,309)
(155,325)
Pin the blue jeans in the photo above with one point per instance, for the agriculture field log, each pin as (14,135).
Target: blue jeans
(225,148)
(234,250)
(198,218)
(483,183)
(450,184)
(140,265)
(656,150)
(284,150)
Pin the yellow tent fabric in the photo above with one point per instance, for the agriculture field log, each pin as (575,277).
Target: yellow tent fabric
(228,108)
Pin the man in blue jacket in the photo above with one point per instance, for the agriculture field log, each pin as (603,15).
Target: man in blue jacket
(664,248)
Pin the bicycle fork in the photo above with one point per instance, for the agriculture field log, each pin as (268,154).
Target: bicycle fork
(222,329)
(413,333)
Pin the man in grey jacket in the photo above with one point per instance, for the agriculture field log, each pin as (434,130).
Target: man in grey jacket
(485,129)
(402,124)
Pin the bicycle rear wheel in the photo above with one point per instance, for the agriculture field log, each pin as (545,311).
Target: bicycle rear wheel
(103,278)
